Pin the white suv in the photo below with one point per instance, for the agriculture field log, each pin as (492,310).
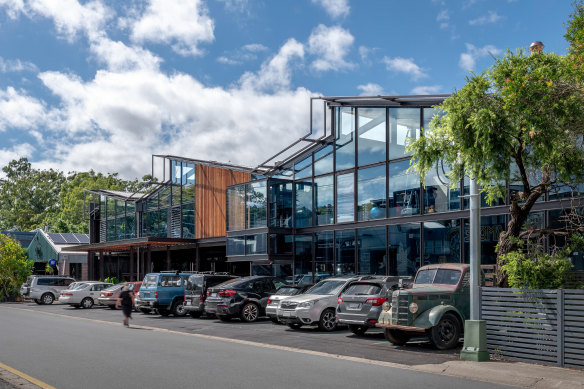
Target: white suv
(44,289)
(317,306)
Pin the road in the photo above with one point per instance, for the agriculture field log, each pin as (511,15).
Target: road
(72,349)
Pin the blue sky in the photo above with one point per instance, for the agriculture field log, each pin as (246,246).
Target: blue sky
(104,84)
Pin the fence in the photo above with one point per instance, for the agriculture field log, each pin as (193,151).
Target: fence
(535,325)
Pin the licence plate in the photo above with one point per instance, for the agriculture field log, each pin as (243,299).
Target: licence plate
(354,306)
(286,314)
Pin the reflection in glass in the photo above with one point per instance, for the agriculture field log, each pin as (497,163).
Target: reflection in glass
(466,201)
(438,197)
(281,203)
(303,169)
(491,228)
(323,160)
(175,172)
(345,252)
(303,206)
(559,219)
(372,242)
(345,141)
(345,198)
(303,260)
(236,207)
(404,127)
(256,204)
(404,249)
(442,241)
(255,244)
(372,135)
(324,198)
(429,114)
(163,220)
(152,223)
(371,202)
(281,244)
(188,182)
(188,221)
(324,254)
(235,245)
(404,190)
(516,185)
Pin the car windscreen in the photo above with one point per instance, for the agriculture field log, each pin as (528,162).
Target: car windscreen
(438,276)
(28,281)
(80,286)
(363,290)
(114,287)
(326,287)
(149,281)
(234,283)
(287,291)
(194,282)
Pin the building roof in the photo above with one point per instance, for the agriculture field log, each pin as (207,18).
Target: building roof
(117,194)
(68,239)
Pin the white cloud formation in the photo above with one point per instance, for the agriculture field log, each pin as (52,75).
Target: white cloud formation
(20,111)
(16,65)
(405,65)
(335,8)
(491,17)
(426,90)
(443,18)
(13,7)
(468,60)
(246,53)
(23,150)
(184,24)
(331,45)
(118,57)
(371,89)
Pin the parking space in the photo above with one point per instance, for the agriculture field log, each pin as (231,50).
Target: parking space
(340,342)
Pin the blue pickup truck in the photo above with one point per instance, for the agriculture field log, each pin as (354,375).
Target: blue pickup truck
(164,292)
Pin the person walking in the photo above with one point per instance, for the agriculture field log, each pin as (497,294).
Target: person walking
(126,300)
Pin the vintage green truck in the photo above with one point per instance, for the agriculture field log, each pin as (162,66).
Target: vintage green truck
(436,306)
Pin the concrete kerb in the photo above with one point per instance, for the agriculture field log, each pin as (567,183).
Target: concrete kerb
(11,380)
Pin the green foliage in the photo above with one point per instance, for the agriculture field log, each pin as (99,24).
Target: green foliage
(575,37)
(14,267)
(49,269)
(112,280)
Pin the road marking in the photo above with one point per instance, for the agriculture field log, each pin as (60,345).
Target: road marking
(26,377)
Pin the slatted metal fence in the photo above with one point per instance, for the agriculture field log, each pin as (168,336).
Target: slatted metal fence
(535,325)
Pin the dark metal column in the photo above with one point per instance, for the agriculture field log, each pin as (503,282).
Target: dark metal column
(197,259)
(101,261)
(168,262)
(89,265)
(131,270)
(148,261)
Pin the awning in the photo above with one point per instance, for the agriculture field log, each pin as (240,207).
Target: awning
(127,244)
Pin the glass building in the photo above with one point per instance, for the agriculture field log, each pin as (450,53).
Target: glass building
(348,203)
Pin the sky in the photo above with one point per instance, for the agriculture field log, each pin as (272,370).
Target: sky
(103,84)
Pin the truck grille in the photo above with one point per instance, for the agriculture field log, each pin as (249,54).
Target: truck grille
(400,313)
(289,305)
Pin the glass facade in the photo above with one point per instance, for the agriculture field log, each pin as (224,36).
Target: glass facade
(372,136)
(372,243)
(371,193)
(345,256)
(324,200)
(404,190)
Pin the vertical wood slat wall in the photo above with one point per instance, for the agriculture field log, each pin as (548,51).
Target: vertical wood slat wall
(210,199)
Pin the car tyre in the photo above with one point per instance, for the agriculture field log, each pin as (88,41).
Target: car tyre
(328,321)
(112,307)
(396,337)
(87,303)
(275,320)
(39,302)
(446,333)
(163,312)
(47,298)
(145,311)
(224,317)
(249,313)
(178,308)
(195,314)
(358,330)
(294,326)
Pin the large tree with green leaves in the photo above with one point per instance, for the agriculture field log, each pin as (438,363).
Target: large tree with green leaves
(527,111)
(14,267)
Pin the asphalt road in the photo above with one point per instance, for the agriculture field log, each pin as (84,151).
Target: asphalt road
(70,352)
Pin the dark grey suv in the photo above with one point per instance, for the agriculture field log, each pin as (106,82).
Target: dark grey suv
(360,304)
(196,290)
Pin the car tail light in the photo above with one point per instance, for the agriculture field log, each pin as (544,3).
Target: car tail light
(269,301)
(156,294)
(376,301)
(208,293)
(372,321)
(227,293)
(66,294)
(340,300)
(202,298)
(110,294)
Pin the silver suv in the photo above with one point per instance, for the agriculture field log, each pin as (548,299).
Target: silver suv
(44,289)
(317,306)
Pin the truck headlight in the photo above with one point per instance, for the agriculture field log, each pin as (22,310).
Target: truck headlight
(413,307)
(386,306)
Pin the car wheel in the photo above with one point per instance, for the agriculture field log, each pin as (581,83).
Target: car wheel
(178,308)
(446,333)
(87,302)
(328,321)
(112,307)
(76,306)
(195,314)
(47,298)
(397,337)
(249,313)
(275,320)
(224,317)
(358,330)
(163,312)
(39,302)
(145,311)
(294,326)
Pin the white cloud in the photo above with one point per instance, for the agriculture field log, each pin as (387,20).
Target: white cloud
(405,65)
(331,45)
(23,150)
(246,53)
(426,90)
(335,8)
(468,60)
(17,110)
(184,24)
(118,57)
(15,66)
(491,17)
(371,89)
(13,7)
(443,18)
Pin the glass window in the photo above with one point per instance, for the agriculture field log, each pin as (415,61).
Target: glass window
(188,182)
(176,192)
(120,208)
(372,242)
(152,223)
(163,220)
(442,242)
(326,287)
(429,114)
(466,201)
(285,174)
(188,221)
(303,260)
(324,255)
(255,244)
(345,138)
(111,229)
(491,228)
(323,160)
(345,197)
(324,200)
(256,204)
(372,135)
(560,219)
(164,196)
(281,244)
(438,197)
(235,245)
(404,190)
(345,252)
(111,208)
(404,249)
(236,208)
(281,203)
(130,222)
(303,204)
(371,202)
(176,173)
(303,169)
(516,186)
(404,127)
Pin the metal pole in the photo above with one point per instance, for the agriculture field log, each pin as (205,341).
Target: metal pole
(475,250)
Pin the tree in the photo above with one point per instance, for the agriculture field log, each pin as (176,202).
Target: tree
(525,111)
(14,267)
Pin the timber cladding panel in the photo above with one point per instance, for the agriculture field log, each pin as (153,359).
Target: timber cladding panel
(210,199)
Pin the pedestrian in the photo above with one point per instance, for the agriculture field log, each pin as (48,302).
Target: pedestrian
(126,300)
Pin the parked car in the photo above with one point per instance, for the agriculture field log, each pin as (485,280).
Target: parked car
(109,296)
(44,289)
(165,292)
(245,298)
(84,295)
(317,306)
(196,290)
(360,304)
(436,305)
(281,293)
